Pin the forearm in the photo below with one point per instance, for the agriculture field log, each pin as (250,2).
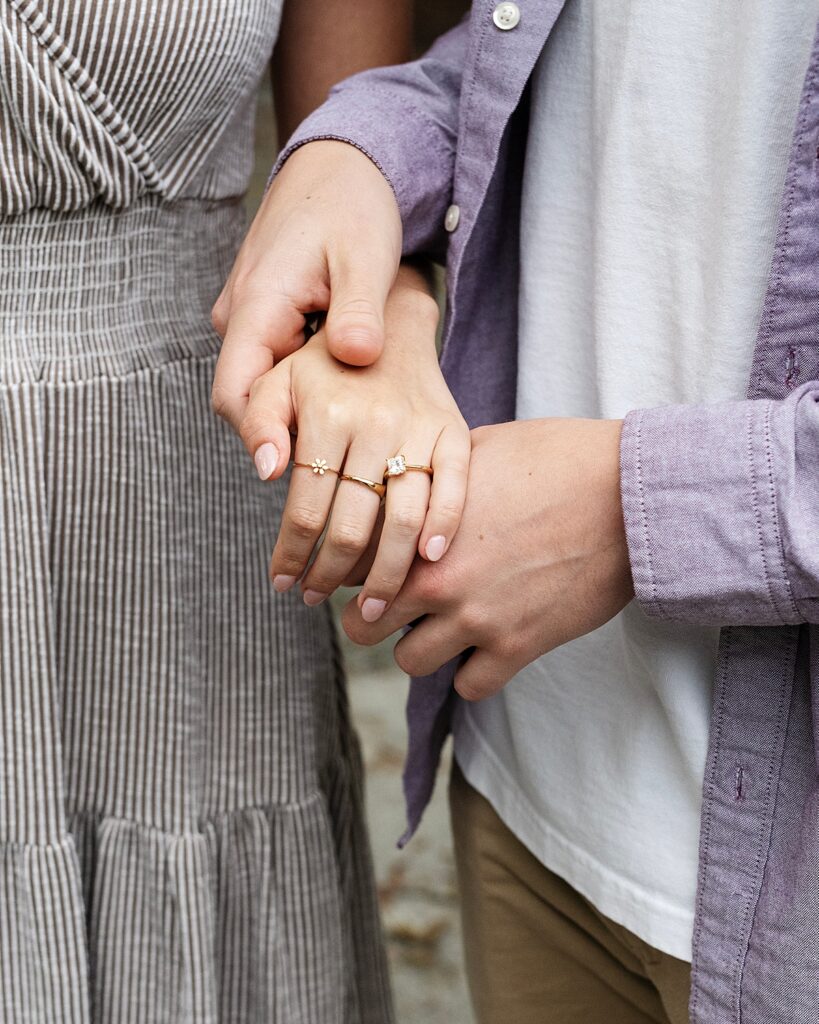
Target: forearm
(405,119)
(721,505)
(322,42)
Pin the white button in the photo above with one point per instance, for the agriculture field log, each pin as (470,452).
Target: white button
(453,215)
(506,16)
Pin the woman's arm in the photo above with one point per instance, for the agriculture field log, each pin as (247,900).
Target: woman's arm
(322,42)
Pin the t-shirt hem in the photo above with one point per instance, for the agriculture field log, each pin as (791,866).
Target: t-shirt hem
(664,927)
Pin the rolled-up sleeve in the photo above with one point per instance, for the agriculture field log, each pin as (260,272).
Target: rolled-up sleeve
(721,505)
(405,119)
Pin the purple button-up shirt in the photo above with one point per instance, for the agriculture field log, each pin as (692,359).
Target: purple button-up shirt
(721,501)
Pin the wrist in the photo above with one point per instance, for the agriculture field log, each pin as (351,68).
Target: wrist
(411,308)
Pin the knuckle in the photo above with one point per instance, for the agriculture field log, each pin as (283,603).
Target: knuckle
(358,307)
(322,581)
(305,523)
(252,429)
(405,661)
(448,512)
(219,318)
(384,585)
(406,520)
(472,690)
(458,464)
(473,621)
(244,288)
(430,584)
(337,414)
(380,418)
(356,629)
(220,400)
(347,538)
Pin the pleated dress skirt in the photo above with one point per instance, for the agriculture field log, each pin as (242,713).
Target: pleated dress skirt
(181,832)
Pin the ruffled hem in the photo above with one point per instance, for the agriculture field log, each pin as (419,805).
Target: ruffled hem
(244,921)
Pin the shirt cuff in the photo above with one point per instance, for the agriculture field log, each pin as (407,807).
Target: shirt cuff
(699,504)
(403,144)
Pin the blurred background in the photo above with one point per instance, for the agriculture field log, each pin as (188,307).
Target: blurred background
(416,886)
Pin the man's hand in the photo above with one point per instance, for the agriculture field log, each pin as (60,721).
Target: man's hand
(326,238)
(540,557)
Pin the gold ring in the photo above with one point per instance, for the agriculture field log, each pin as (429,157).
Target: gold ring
(398,466)
(319,466)
(380,489)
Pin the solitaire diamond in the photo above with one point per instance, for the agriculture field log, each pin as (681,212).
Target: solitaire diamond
(396,466)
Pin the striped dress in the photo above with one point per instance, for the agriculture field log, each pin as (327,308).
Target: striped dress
(181,835)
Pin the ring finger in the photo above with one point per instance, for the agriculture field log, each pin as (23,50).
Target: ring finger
(309,499)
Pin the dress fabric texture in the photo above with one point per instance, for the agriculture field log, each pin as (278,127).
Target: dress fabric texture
(181,832)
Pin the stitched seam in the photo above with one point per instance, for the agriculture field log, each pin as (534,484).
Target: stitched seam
(707,819)
(775,511)
(752,901)
(295,807)
(757,512)
(644,515)
(774,304)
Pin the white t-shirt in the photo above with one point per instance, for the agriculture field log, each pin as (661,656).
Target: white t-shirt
(655,166)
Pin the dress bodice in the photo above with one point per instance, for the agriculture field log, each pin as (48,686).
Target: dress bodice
(109,102)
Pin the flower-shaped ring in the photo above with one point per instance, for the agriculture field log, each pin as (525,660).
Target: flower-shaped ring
(318,466)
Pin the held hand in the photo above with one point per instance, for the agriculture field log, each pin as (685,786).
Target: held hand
(327,237)
(540,557)
(354,418)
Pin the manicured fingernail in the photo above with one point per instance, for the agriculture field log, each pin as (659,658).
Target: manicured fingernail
(313,597)
(435,548)
(372,609)
(283,583)
(266,459)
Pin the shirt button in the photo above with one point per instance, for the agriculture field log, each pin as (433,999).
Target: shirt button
(453,215)
(506,16)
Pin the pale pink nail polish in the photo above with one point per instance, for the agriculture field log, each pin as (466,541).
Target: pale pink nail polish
(283,583)
(266,459)
(435,548)
(372,609)
(313,597)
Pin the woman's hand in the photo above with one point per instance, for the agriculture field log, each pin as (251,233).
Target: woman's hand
(354,418)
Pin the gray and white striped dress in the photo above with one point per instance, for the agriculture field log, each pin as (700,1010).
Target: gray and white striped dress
(181,836)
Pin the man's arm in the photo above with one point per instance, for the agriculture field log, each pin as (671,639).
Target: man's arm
(405,119)
(328,235)
(322,42)
(721,510)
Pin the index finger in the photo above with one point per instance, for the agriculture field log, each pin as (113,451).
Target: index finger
(256,331)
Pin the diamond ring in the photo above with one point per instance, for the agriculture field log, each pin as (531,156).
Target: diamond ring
(398,466)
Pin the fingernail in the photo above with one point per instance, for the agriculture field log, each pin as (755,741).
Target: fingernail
(283,583)
(313,597)
(435,548)
(372,609)
(266,459)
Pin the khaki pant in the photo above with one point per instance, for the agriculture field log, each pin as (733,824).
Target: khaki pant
(539,953)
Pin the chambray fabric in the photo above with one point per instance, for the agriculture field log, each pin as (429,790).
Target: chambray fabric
(721,502)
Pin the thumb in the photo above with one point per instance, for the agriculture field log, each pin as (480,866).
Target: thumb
(267,421)
(358,295)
